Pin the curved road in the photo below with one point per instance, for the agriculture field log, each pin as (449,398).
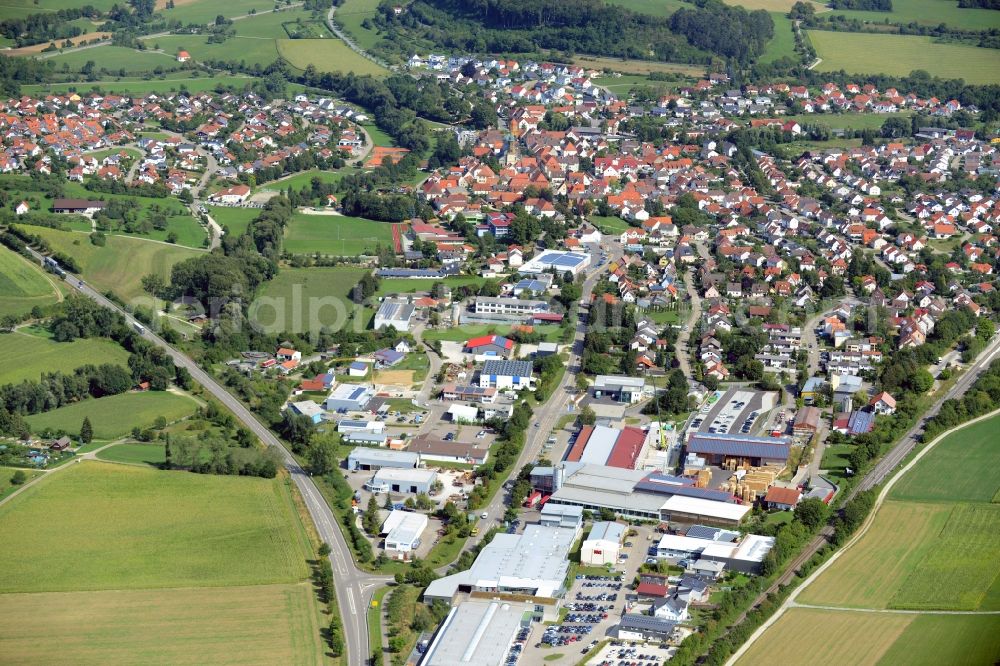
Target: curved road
(354,587)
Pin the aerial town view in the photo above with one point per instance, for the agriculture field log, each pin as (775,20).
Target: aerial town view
(500,332)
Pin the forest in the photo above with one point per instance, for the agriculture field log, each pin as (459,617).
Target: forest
(707,28)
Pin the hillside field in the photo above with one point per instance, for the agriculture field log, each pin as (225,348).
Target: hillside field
(116,415)
(125,527)
(336,235)
(898,55)
(23,284)
(930,12)
(156,567)
(326,55)
(120,265)
(351,14)
(26,356)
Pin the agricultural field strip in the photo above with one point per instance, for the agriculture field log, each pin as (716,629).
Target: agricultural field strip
(893,611)
(790,602)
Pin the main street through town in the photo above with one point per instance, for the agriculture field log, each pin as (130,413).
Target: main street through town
(354,587)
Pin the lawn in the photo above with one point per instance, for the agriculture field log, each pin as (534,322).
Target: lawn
(135,453)
(23,285)
(305,299)
(25,356)
(898,55)
(782,45)
(125,528)
(336,235)
(6,487)
(389,286)
(235,218)
(326,55)
(352,14)
(116,415)
(930,12)
(258,624)
(120,265)
(962,467)
(610,225)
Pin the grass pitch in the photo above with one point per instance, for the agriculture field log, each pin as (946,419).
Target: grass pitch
(898,55)
(116,415)
(336,235)
(24,356)
(104,526)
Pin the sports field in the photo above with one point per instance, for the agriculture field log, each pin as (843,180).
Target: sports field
(930,12)
(305,299)
(120,265)
(26,356)
(123,527)
(152,567)
(116,415)
(898,55)
(805,636)
(326,55)
(335,235)
(23,285)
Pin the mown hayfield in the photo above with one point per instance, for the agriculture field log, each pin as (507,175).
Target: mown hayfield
(23,285)
(868,574)
(782,45)
(24,356)
(262,624)
(960,468)
(388,286)
(960,566)
(811,636)
(930,12)
(898,55)
(637,66)
(116,415)
(326,55)
(305,299)
(101,526)
(933,640)
(6,487)
(857,121)
(250,50)
(135,453)
(120,265)
(113,58)
(205,11)
(335,235)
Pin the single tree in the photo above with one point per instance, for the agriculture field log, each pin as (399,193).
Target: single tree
(86,431)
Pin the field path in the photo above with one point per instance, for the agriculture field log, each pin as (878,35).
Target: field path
(790,601)
(893,611)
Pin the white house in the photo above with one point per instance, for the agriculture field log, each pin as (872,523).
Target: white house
(232,195)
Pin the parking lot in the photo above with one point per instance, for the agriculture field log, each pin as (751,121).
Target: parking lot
(738,411)
(632,653)
(453,432)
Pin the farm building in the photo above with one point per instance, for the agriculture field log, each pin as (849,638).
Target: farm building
(79,206)
(366,458)
(395,313)
(603,544)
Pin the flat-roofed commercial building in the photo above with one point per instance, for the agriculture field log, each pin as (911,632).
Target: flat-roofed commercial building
(620,389)
(403,530)
(394,312)
(603,544)
(720,448)
(349,398)
(476,632)
(367,458)
(412,481)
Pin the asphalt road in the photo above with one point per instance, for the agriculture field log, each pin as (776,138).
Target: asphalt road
(354,587)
